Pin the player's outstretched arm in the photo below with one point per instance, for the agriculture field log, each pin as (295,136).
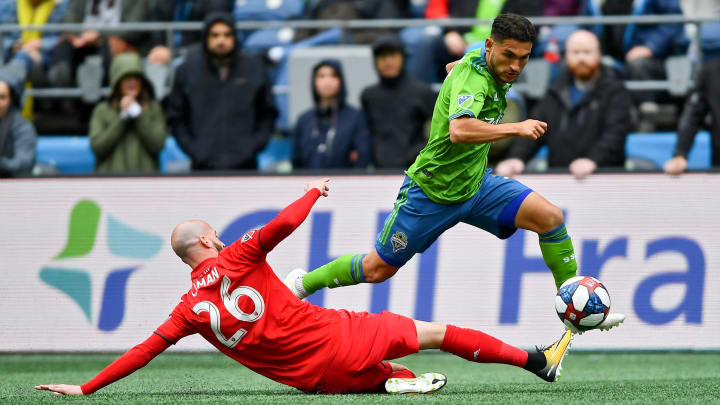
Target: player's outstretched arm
(472,131)
(133,359)
(293,215)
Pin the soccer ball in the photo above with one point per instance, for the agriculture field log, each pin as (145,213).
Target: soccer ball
(582,302)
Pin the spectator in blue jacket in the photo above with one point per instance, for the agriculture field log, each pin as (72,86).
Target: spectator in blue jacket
(643,47)
(331,135)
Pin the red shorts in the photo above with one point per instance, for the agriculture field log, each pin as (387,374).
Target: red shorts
(365,341)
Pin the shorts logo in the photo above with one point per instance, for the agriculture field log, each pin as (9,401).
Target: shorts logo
(399,241)
(463,100)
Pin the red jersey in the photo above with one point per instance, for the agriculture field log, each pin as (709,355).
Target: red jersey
(238,304)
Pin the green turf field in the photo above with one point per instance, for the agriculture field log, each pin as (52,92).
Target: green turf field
(212,378)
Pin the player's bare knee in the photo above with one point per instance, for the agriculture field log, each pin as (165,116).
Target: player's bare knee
(552,217)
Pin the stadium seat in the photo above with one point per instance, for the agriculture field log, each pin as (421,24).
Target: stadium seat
(277,152)
(267,38)
(159,77)
(418,43)
(560,33)
(173,159)
(658,148)
(267,9)
(647,150)
(72,155)
(680,74)
(417,8)
(535,78)
(68,154)
(710,39)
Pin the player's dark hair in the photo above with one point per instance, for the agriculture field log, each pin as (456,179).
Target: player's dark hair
(513,26)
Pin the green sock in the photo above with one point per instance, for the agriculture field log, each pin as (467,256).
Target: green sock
(559,255)
(343,271)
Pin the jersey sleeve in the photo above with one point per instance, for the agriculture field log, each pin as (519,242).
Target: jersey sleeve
(132,360)
(467,92)
(256,244)
(175,327)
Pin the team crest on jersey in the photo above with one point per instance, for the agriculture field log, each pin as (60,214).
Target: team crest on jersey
(465,100)
(247,236)
(399,241)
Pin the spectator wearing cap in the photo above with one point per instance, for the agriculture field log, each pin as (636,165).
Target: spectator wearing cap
(398,108)
(127,132)
(332,134)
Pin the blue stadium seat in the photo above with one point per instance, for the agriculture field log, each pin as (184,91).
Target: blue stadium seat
(72,154)
(417,8)
(173,159)
(68,154)
(277,150)
(267,9)
(267,38)
(658,148)
(710,39)
(418,43)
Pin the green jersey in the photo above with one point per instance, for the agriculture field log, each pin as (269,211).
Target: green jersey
(451,173)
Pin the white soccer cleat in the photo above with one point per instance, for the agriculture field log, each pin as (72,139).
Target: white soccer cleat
(293,281)
(611,320)
(427,383)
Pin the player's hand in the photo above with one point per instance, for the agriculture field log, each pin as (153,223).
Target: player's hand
(320,185)
(510,167)
(582,167)
(676,165)
(61,389)
(532,129)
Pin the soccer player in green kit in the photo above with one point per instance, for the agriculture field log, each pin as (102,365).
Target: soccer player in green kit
(450,182)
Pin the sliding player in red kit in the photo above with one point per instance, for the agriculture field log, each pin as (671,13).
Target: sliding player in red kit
(238,304)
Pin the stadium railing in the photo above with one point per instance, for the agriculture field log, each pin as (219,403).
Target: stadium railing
(675,83)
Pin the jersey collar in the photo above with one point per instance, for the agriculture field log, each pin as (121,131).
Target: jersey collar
(202,266)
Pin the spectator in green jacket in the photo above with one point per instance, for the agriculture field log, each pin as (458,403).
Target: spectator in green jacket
(127,131)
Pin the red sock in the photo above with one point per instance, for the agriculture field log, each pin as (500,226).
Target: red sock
(479,347)
(402,374)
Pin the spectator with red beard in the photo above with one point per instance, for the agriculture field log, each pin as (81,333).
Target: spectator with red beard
(587,111)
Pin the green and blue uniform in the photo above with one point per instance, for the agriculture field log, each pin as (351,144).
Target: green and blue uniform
(450,182)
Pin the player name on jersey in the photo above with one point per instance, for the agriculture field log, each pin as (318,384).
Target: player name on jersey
(209,279)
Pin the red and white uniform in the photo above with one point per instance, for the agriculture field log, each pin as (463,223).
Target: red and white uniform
(237,303)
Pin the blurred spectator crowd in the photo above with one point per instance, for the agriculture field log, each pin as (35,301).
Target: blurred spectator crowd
(217,93)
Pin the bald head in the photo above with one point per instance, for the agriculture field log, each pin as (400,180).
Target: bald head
(188,235)
(582,54)
(583,39)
